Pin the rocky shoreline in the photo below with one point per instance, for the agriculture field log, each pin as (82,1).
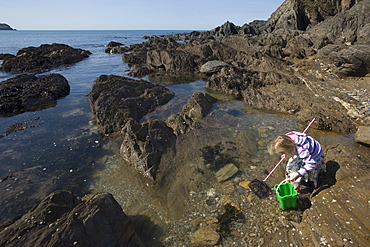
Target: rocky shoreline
(308,60)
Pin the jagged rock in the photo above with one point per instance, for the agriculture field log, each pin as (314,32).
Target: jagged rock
(143,145)
(363,135)
(30,93)
(116,50)
(62,219)
(345,60)
(198,105)
(139,71)
(213,67)
(342,28)
(43,58)
(172,61)
(115,100)
(181,123)
(6,56)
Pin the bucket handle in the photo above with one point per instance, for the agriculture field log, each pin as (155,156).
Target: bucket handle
(277,187)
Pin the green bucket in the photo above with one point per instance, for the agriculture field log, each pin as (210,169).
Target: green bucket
(286,195)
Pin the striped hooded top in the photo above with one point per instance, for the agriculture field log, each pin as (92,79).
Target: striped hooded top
(307,149)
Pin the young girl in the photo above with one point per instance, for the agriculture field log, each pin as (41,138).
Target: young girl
(305,155)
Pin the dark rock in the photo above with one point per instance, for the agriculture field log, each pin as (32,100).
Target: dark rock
(115,100)
(62,219)
(344,28)
(4,26)
(43,58)
(172,61)
(30,93)
(114,44)
(138,52)
(139,71)
(345,60)
(116,50)
(198,105)
(143,145)
(6,56)
(363,135)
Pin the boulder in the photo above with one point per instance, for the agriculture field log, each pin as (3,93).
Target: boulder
(198,105)
(213,67)
(362,135)
(30,93)
(115,100)
(62,219)
(143,145)
(43,58)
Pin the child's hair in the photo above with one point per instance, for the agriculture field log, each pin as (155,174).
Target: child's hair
(282,145)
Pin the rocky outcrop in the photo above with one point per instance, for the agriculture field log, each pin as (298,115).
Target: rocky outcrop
(143,145)
(62,219)
(115,100)
(30,93)
(198,105)
(43,58)
(4,26)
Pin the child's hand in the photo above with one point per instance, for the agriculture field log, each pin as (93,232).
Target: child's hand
(293,176)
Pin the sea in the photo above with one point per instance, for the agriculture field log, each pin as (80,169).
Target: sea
(61,148)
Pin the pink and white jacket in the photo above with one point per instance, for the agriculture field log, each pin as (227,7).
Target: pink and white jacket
(307,149)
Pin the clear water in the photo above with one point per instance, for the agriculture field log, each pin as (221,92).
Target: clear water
(66,145)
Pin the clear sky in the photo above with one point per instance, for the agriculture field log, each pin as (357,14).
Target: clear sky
(132,14)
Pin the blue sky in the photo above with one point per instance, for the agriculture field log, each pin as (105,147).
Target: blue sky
(133,14)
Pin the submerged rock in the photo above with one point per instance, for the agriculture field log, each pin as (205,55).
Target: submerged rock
(63,219)
(226,172)
(43,58)
(30,93)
